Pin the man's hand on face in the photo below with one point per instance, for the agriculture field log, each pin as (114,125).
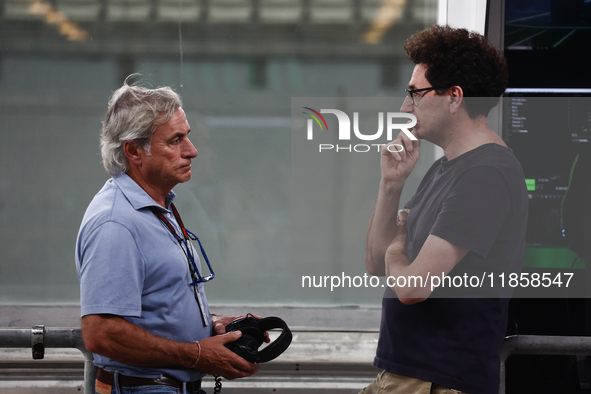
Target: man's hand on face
(398,159)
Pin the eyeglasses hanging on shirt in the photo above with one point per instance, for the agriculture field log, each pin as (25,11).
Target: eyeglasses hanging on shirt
(185,244)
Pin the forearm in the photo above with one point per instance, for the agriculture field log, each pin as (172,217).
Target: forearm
(437,256)
(382,227)
(114,337)
(412,289)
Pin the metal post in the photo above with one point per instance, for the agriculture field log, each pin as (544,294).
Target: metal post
(52,338)
(537,344)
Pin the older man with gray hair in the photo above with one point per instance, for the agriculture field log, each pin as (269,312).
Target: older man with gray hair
(144,312)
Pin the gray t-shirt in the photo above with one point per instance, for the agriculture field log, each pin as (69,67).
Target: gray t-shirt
(477,201)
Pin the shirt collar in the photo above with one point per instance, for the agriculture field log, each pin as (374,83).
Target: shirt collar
(137,197)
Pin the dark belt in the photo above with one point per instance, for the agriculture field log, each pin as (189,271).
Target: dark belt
(125,381)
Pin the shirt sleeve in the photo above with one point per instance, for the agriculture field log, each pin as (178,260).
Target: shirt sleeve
(112,272)
(473,213)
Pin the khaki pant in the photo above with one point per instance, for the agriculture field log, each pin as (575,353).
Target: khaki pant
(391,383)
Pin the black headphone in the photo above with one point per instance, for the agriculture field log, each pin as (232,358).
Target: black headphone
(253,335)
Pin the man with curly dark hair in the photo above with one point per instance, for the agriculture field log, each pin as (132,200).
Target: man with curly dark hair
(467,218)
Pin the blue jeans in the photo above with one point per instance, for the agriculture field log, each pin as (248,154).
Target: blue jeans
(147,390)
(102,388)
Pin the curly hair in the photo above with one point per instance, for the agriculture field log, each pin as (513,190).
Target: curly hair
(133,114)
(457,57)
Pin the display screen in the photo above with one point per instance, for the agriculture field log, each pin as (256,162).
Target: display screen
(546,109)
(546,134)
(548,43)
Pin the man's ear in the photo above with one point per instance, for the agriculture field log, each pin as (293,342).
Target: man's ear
(134,152)
(456,98)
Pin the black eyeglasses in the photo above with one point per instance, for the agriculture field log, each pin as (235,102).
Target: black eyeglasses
(411,93)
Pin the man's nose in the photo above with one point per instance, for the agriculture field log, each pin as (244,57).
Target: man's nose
(406,105)
(190,150)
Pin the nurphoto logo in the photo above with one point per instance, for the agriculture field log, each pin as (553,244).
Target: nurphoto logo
(344,129)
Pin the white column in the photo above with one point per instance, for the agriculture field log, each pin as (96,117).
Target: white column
(469,14)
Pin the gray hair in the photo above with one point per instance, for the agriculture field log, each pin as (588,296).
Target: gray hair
(132,115)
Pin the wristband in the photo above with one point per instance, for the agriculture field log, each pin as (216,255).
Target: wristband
(199,356)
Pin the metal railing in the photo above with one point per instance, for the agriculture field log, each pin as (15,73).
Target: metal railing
(38,338)
(546,345)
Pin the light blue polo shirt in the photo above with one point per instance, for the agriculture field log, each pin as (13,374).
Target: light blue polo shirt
(129,264)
